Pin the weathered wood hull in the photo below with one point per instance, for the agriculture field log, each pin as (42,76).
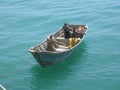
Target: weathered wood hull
(49,58)
(46,59)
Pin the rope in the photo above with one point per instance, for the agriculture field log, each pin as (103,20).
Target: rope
(3,88)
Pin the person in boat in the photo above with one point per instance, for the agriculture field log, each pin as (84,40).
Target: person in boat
(74,34)
(51,43)
(73,39)
(80,31)
(66,31)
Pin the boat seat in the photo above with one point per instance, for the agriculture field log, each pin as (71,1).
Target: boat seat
(63,41)
(41,48)
(63,46)
(60,49)
(60,38)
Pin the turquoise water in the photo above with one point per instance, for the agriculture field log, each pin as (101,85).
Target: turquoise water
(26,23)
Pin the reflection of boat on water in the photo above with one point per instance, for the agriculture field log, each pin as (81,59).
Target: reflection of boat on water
(48,53)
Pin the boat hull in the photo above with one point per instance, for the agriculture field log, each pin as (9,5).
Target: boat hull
(47,59)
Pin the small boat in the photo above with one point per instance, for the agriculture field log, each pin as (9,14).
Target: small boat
(56,47)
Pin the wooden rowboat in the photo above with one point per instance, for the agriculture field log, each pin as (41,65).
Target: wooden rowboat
(53,51)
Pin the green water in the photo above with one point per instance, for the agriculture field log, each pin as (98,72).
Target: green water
(95,65)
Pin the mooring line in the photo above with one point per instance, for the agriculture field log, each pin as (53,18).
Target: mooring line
(3,88)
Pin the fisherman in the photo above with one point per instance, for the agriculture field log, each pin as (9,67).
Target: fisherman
(74,34)
(66,31)
(73,39)
(80,31)
(51,43)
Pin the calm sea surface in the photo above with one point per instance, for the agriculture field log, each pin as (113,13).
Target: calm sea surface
(26,23)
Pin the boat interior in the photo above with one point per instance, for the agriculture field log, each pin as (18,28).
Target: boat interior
(59,46)
(58,43)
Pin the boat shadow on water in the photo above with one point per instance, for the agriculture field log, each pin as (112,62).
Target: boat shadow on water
(48,78)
